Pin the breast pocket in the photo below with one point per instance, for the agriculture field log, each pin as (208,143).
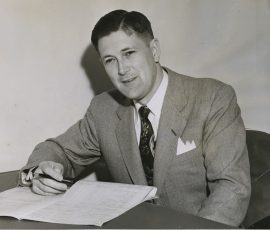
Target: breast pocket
(185,154)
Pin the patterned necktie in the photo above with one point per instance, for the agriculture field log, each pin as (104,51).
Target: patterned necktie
(147,144)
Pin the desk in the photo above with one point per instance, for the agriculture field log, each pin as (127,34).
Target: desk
(145,215)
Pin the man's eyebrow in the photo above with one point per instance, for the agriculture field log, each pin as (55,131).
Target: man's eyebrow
(134,48)
(125,49)
(106,56)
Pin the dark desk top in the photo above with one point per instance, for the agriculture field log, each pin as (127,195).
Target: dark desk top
(145,215)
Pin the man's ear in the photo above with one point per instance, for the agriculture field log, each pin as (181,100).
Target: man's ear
(154,45)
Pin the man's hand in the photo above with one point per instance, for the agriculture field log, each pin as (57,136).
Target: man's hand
(46,186)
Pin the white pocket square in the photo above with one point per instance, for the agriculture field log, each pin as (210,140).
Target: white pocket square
(184,147)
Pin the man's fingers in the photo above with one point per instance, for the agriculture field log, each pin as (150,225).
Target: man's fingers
(53,169)
(58,168)
(55,175)
(44,186)
(48,186)
(38,191)
(53,184)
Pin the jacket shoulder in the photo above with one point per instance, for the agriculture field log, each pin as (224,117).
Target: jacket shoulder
(202,86)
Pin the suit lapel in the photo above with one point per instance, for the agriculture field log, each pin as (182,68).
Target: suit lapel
(126,137)
(171,126)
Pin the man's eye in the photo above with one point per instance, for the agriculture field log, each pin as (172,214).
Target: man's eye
(109,60)
(128,53)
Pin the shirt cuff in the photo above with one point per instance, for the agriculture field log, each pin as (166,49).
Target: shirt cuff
(27,177)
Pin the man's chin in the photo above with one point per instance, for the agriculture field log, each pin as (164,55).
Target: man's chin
(133,96)
(130,95)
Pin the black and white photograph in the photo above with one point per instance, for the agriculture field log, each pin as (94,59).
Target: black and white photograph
(134,114)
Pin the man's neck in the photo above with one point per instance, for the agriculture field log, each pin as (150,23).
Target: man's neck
(158,80)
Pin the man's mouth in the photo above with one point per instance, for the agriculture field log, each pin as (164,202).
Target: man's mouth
(128,80)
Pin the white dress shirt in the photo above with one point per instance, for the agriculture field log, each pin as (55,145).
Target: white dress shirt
(155,106)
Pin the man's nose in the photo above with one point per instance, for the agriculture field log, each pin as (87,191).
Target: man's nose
(122,68)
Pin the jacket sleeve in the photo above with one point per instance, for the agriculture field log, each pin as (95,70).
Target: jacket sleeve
(75,149)
(226,161)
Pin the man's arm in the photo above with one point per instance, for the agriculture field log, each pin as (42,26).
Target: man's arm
(74,149)
(226,161)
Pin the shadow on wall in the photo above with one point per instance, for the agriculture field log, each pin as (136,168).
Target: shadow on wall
(99,81)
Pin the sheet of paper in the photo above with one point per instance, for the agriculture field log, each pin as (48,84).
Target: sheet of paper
(93,203)
(19,201)
(85,203)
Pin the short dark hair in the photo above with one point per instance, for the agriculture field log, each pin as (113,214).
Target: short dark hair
(129,22)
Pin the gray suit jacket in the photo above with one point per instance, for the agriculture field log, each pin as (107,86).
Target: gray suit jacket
(212,180)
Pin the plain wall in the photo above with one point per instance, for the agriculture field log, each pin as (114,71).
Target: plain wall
(49,72)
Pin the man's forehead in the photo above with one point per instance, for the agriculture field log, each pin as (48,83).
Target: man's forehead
(119,41)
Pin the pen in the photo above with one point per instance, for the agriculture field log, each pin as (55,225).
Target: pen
(68,182)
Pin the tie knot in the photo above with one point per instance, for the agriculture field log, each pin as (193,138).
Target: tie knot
(144,111)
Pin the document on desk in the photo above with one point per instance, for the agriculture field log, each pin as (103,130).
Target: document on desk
(85,203)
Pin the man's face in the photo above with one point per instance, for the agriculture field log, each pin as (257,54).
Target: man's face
(131,64)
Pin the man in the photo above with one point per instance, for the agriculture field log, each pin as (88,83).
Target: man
(181,134)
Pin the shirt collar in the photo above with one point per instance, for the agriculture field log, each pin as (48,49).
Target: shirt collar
(156,102)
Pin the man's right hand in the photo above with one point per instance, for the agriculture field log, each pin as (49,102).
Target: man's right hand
(46,186)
